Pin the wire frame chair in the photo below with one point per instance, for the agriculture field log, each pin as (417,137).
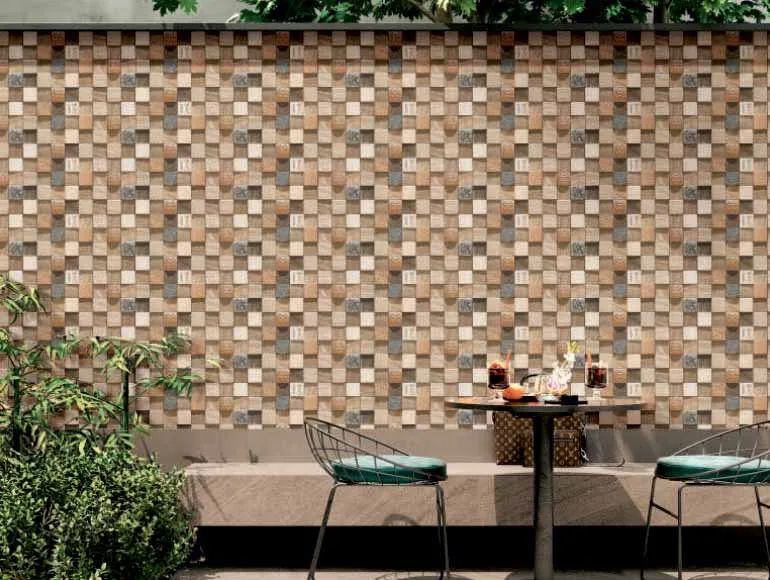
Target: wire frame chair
(352,458)
(741,456)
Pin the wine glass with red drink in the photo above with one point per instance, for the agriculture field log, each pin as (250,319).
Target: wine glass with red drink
(596,377)
(498,380)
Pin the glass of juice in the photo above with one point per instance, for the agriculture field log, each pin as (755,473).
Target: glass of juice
(498,380)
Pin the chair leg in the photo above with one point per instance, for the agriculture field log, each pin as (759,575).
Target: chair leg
(442,536)
(762,526)
(319,541)
(647,529)
(679,532)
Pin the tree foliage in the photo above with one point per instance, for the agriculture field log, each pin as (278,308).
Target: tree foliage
(165,7)
(493,11)
(718,11)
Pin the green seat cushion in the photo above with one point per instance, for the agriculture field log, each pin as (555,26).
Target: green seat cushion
(682,467)
(368,469)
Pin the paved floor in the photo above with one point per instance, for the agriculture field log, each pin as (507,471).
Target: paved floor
(373,575)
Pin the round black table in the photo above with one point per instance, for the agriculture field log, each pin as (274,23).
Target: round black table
(542,415)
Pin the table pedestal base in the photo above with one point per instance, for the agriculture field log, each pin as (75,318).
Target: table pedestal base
(542,426)
(542,415)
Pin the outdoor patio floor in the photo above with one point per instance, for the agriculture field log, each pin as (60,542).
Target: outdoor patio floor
(213,574)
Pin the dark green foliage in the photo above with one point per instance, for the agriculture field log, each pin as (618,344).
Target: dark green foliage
(171,6)
(71,513)
(75,502)
(302,11)
(494,11)
(618,11)
(718,11)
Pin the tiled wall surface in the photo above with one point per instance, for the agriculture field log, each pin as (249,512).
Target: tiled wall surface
(357,223)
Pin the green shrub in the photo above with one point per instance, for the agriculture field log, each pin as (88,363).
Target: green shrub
(89,513)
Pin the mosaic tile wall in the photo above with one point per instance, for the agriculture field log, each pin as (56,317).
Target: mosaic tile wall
(356,223)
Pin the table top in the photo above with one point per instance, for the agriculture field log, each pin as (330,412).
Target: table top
(537,408)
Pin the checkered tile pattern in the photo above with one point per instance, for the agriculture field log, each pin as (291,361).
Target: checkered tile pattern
(358,222)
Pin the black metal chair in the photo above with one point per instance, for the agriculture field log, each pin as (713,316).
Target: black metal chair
(351,458)
(740,456)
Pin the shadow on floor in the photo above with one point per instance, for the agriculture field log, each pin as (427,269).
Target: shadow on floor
(649,575)
(513,500)
(417,576)
(727,576)
(199,574)
(246,574)
(215,574)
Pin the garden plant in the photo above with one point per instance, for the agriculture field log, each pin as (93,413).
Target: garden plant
(77,502)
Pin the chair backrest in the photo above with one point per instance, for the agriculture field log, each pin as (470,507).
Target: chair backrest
(748,444)
(349,456)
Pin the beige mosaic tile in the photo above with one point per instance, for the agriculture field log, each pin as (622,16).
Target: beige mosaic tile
(358,222)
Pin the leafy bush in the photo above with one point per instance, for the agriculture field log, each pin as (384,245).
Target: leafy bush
(75,502)
(74,512)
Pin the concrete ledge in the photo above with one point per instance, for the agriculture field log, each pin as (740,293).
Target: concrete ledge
(478,494)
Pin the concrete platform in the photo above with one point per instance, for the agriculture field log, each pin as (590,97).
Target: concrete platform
(478,494)
(214,574)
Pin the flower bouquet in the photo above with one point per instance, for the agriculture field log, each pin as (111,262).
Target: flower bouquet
(557,383)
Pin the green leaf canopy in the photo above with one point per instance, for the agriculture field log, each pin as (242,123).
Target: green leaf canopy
(492,11)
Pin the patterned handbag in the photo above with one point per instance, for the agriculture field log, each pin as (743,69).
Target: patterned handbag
(566,449)
(513,440)
(509,431)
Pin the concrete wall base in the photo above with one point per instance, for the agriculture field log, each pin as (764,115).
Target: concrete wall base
(477,494)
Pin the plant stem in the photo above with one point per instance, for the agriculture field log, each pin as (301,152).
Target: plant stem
(125,419)
(16,416)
